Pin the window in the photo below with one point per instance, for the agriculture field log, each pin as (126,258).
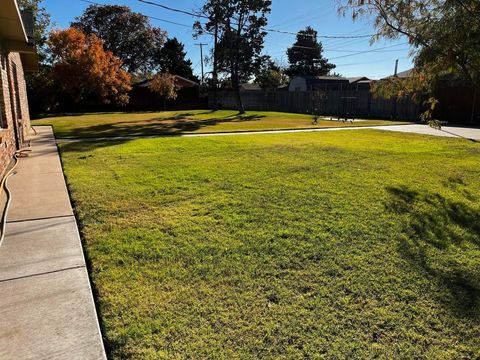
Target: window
(16,89)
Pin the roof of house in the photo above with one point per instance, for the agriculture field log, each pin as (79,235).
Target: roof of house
(184,82)
(326,77)
(401,75)
(179,81)
(405,74)
(312,80)
(11,26)
(16,33)
(250,87)
(358,79)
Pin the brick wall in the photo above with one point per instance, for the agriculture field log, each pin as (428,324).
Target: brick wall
(13,107)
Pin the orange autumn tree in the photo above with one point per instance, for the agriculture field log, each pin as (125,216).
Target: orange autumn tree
(84,71)
(163,84)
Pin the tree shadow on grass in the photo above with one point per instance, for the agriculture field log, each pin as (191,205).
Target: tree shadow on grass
(174,125)
(441,239)
(86,146)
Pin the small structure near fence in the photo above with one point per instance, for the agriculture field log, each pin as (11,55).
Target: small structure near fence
(306,102)
(188,96)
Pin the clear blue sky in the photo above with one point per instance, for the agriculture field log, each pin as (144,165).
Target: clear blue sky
(288,15)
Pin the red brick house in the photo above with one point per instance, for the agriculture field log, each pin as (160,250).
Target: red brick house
(188,96)
(17,56)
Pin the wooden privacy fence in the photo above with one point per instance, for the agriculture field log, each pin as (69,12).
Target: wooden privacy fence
(332,102)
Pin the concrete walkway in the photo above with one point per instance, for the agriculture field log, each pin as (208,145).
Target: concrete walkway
(446,131)
(46,304)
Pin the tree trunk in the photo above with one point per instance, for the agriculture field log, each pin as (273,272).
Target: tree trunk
(236,88)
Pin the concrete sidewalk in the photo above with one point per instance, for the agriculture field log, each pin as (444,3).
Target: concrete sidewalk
(46,304)
(447,131)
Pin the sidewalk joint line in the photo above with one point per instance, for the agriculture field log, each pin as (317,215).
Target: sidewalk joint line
(39,219)
(43,273)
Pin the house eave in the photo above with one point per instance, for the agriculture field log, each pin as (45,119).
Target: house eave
(11,24)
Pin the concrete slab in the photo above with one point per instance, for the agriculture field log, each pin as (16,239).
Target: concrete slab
(41,161)
(35,247)
(37,196)
(47,309)
(417,129)
(49,317)
(464,132)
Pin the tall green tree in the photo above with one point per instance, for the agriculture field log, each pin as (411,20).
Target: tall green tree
(129,35)
(444,35)
(270,75)
(305,56)
(172,59)
(238,26)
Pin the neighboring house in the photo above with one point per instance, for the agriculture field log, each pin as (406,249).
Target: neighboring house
(180,83)
(247,87)
(17,56)
(359,83)
(188,96)
(315,83)
(401,75)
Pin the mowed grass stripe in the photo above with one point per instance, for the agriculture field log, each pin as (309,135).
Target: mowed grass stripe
(188,121)
(338,245)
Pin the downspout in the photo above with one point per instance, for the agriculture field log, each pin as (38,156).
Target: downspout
(12,102)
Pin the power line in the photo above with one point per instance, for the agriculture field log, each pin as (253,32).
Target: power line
(174,9)
(288,22)
(320,36)
(150,17)
(365,52)
(263,29)
(368,62)
(302,19)
(347,36)
(330,50)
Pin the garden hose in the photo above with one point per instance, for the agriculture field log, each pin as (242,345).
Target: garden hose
(4,185)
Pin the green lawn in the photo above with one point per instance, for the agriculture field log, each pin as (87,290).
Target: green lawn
(171,122)
(314,245)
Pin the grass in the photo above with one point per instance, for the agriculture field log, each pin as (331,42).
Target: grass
(171,122)
(313,245)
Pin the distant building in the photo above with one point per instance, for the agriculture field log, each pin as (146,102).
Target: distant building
(180,83)
(247,87)
(360,83)
(314,83)
(401,75)
(188,96)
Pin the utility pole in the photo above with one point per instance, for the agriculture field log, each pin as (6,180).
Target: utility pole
(394,114)
(215,72)
(201,56)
